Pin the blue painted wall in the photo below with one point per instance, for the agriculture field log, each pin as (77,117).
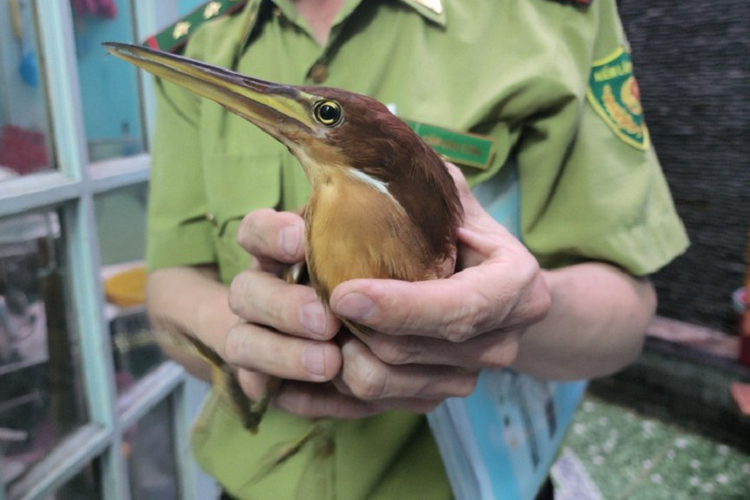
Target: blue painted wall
(110,87)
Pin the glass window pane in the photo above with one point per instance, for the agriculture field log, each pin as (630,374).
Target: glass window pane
(135,349)
(41,395)
(149,450)
(24,134)
(111,107)
(121,225)
(84,486)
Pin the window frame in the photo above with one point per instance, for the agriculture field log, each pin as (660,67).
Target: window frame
(71,189)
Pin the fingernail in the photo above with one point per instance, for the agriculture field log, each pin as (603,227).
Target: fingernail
(313,318)
(314,360)
(290,239)
(355,306)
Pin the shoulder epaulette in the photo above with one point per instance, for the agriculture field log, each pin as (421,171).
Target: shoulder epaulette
(174,37)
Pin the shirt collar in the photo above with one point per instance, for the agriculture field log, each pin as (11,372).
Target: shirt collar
(432,10)
(429,9)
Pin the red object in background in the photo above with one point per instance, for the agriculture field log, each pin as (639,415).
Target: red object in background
(99,8)
(24,151)
(745,337)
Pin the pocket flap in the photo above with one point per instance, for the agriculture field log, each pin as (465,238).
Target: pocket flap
(242,183)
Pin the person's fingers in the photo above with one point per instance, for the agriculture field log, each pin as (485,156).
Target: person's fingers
(311,400)
(496,349)
(370,379)
(306,399)
(262,350)
(316,400)
(500,286)
(473,211)
(472,302)
(262,298)
(254,384)
(272,238)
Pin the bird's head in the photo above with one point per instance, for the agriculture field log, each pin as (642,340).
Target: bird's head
(329,130)
(319,125)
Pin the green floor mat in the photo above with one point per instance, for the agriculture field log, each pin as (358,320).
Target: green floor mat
(612,453)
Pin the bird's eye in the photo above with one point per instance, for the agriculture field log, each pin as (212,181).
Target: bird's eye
(328,113)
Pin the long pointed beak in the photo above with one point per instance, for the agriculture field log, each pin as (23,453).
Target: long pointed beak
(280,110)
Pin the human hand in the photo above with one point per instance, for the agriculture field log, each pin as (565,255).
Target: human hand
(432,338)
(285,332)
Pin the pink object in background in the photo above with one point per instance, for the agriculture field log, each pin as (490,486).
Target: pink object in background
(742,307)
(741,297)
(741,394)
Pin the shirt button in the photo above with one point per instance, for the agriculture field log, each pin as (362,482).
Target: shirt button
(319,73)
(210,217)
(277,12)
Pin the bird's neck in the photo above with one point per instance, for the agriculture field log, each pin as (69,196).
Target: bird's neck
(356,229)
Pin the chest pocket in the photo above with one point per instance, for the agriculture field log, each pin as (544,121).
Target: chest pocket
(237,184)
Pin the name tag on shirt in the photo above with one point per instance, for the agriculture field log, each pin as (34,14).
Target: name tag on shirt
(462,148)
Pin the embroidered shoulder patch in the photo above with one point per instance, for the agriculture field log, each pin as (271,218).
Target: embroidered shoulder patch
(613,92)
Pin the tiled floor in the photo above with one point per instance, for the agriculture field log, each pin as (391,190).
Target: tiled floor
(612,453)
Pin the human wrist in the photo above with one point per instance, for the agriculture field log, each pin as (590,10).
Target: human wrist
(212,317)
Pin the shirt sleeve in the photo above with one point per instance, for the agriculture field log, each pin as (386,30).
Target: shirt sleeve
(595,190)
(178,231)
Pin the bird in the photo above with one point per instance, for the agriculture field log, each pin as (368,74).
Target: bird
(382,205)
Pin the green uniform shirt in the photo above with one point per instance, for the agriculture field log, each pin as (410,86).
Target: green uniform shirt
(549,81)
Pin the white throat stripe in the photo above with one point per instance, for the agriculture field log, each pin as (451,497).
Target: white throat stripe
(370,181)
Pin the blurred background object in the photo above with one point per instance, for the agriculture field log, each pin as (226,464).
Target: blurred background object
(101,8)
(24,133)
(85,393)
(692,64)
